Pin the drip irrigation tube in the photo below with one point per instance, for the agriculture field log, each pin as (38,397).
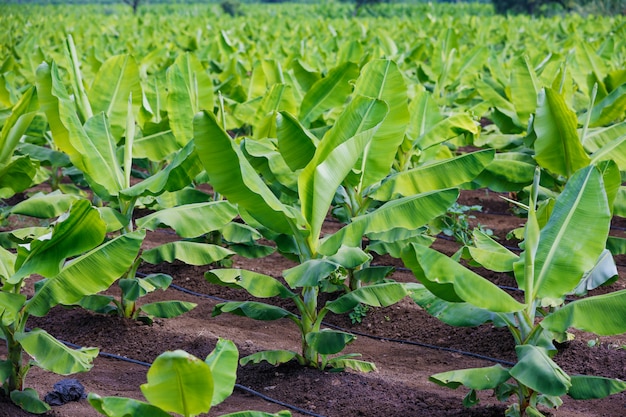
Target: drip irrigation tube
(238,386)
(380,338)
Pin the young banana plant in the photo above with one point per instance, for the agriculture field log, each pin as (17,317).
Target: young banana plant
(564,253)
(296,227)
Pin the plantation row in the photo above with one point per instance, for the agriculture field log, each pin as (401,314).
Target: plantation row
(232,130)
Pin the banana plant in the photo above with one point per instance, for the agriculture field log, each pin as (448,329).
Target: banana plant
(75,261)
(297,230)
(546,272)
(181,383)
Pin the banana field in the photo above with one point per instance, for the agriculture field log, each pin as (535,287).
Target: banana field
(256,210)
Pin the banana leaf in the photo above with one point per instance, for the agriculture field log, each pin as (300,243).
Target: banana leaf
(223,361)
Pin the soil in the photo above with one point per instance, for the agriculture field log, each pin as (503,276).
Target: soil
(406,344)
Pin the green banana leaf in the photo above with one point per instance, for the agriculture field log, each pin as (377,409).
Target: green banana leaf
(52,355)
(330,91)
(434,176)
(453,282)
(581,210)
(592,387)
(81,230)
(557,147)
(273,357)
(600,314)
(523,89)
(167,309)
(598,138)
(329,342)
(155,144)
(191,220)
(490,254)
(232,175)
(223,361)
(378,295)
(428,127)
(88,274)
(44,206)
(17,176)
(454,314)
(178,174)
(310,273)
(537,371)
(614,150)
(253,310)
(342,362)
(381,79)
(473,378)
(190,90)
(116,80)
(508,171)
(610,109)
(603,273)
(257,284)
(408,213)
(335,157)
(121,407)
(179,383)
(28,400)
(10,306)
(17,123)
(295,143)
(192,253)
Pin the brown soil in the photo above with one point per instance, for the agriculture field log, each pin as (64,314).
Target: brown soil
(406,344)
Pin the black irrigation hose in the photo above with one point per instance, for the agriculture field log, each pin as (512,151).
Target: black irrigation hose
(381,338)
(238,386)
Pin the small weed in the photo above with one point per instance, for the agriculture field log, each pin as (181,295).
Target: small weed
(359,313)
(456,223)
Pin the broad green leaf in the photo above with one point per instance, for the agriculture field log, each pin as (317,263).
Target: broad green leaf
(80,230)
(88,274)
(408,213)
(328,342)
(121,407)
(273,357)
(451,281)
(295,143)
(192,253)
(599,138)
(610,109)
(180,383)
(473,378)
(223,362)
(586,387)
(116,79)
(508,171)
(178,174)
(190,90)
(454,314)
(613,150)
(600,314)
(537,371)
(17,176)
(155,146)
(310,273)
(343,362)
(44,206)
(381,79)
(523,89)
(330,91)
(434,176)
(257,284)
(253,310)
(28,400)
(580,210)
(191,220)
(604,272)
(616,245)
(490,254)
(232,175)
(378,295)
(7,262)
(52,355)
(336,154)
(10,306)
(16,124)
(167,309)
(557,147)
